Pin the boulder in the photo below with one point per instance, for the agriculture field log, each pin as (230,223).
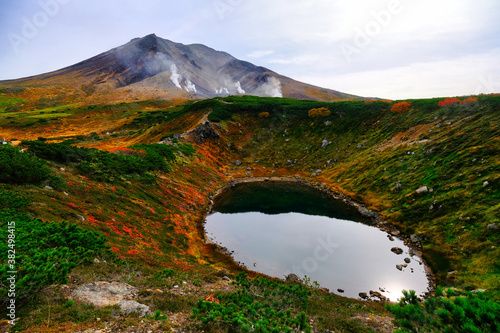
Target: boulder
(399,267)
(416,238)
(423,189)
(398,187)
(341,290)
(293,278)
(492,226)
(205,132)
(363,295)
(407,260)
(238,163)
(48,188)
(325,144)
(103,293)
(133,306)
(397,250)
(367,213)
(486,183)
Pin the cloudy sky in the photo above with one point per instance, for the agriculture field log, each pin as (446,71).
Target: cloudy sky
(393,49)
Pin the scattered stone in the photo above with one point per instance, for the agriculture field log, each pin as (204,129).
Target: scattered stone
(248,173)
(399,267)
(423,189)
(293,278)
(397,250)
(66,194)
(390,238)
(325,144)
(416,238)
(177,136)
(492,226)
(407,260)
(289,162)
(103,293)
(81,217)
(367,213)
(328,123)
(452,273)
(398,187)
(48,188)
(341,290)
(97,261)
(238,163)
(318,171)
(225,278)
(363,295)
(486,183)
(395,232)
(128,307)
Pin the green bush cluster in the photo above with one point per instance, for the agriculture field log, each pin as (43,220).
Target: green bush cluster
(105,166)
(43,253)
(474,313)
(259,305)
(21,167)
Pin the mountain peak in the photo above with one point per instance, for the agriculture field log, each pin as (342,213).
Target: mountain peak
(159,68)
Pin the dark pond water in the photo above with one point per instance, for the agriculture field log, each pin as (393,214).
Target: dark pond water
(278,228)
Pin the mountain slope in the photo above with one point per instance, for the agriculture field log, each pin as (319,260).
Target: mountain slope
(152,67)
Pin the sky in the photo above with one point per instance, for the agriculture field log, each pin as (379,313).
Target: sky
(395,49)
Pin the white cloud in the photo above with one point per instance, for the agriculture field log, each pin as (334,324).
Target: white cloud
(260,54)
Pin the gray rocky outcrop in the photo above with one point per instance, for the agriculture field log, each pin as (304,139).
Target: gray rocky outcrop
(103,293)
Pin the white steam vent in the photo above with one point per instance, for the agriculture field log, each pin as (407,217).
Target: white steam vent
(175,76)
(238,88)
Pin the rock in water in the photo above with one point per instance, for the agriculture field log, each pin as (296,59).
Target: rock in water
(397,250)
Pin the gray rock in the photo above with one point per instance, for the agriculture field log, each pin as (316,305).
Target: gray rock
(486,183)
(416,238)
(407,260)
(238,163)
(328,123)
(492,226)
(397,250)
(133,306)
(225,278)
(325,144)
(204,132)
(398,187)
(341,290)
(103,293)
(399,267)
(423,189)
(367,213)
(48,188)
(81,217)
(177,136)
(363,295)
(293,278)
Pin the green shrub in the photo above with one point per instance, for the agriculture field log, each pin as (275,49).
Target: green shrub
(473,313)
(259,305)
(43,253)
(21,167)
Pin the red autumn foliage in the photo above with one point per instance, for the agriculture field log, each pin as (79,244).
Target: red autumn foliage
(471,101)
(401,107)
(211,298)
(449,102)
